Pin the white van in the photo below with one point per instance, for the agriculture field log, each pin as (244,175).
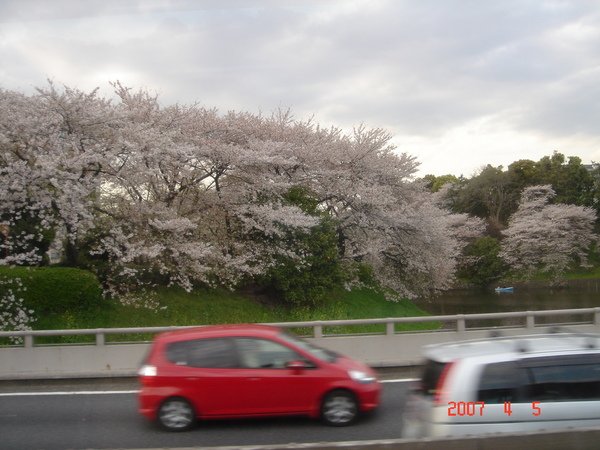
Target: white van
(506,384)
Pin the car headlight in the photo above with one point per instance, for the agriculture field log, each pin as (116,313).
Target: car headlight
(361,377)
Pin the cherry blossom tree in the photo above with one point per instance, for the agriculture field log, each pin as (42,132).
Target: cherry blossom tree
(545,237)
(186,195)
(53,146)
(13,313)
(190,195)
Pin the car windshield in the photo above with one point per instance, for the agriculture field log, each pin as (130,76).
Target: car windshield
(317,352)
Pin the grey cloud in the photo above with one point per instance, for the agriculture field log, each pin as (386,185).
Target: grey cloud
(416,67)
(573,108)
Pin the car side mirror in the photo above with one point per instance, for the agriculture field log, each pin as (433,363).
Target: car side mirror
(296,366)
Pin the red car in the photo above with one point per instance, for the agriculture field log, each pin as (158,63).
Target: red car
(250,371)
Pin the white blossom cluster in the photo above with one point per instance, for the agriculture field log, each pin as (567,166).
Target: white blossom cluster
(142,298)
(14,316)
(547,237)
(200,197)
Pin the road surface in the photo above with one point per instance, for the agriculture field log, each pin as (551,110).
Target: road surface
(103,415)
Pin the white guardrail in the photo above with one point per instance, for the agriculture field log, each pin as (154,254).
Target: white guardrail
(106,357)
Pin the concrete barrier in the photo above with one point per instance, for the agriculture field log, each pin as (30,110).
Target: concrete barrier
(123,359)
(73,361)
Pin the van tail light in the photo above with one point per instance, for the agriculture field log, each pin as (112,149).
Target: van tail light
(439,389)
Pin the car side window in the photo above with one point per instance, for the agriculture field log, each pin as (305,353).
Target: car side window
(563,383)
(501,382)
(264,353)
(206,353)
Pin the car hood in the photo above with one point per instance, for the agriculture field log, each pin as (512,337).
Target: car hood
(351,364)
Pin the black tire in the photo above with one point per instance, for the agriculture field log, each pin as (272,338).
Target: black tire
(339,408)
(176,414)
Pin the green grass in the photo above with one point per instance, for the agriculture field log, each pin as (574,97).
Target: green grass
(593,273)
(581,274)
(362,304)
(203,307)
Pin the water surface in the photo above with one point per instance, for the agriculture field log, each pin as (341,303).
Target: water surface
(581,294)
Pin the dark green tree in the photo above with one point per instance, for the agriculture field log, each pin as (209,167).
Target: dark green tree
(481,264)
(307,283)
(523,172)
(434,184)
(572,182)
(488,195)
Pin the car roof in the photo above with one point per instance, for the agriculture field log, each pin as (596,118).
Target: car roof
(515,347)
(214,331)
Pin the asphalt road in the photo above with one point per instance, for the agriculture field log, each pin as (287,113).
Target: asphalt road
(37,416)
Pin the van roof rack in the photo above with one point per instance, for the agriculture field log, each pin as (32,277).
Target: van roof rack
(563,330)
(525,343)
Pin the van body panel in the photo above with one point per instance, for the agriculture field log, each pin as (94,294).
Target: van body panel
(517,384)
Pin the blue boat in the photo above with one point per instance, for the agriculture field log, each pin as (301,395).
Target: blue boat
(504,289)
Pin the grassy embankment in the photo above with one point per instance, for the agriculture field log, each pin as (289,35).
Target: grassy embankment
(204,307)
(67,298)
(582,274)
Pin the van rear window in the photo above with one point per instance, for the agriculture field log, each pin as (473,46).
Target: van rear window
(432,371)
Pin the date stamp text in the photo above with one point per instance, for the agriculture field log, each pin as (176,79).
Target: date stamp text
(460,409)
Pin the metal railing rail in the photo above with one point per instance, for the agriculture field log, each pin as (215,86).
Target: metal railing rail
(460,324)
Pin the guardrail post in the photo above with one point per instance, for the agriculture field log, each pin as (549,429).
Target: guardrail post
(318,331)
(390,329)
(28,340)
(530,320)
(461,324)
(597,317)
(100,338)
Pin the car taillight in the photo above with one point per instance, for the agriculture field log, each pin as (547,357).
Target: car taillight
(439,389)
(147,371)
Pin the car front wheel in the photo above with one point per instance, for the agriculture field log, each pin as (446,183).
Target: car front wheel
(339,408)
(176,414)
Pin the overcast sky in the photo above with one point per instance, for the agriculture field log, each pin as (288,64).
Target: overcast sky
(458,83)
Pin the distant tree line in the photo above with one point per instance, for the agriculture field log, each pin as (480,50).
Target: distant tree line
(541,217)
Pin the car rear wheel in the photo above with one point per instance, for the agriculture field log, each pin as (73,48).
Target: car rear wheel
(339,408)
(176,414)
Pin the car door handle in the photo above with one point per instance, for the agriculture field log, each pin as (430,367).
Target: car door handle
(254,378)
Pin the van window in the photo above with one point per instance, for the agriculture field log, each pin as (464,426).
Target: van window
(561,383)
(432,371)
(207,353)
(501,382)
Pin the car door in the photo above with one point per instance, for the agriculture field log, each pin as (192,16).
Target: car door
(268,386)
(207,374)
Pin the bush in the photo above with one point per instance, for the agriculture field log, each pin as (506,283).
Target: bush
(55,290)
